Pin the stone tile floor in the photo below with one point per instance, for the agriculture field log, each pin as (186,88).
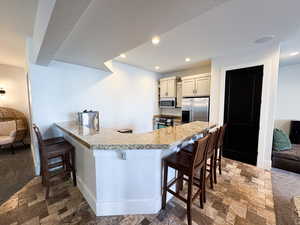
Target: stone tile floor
(243,196)
(16,170)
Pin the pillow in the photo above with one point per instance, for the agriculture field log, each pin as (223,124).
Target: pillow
(7,127)
(281,141)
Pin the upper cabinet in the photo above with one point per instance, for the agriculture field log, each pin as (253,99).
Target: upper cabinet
(168,87)
(197,85)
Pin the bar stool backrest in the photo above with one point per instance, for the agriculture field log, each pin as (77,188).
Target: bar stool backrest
(212,143)
(221,135)
(199,154)
(40,139)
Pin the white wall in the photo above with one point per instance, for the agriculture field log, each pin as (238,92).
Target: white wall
(269,57)
(14,81)
(126,98)
(288,107)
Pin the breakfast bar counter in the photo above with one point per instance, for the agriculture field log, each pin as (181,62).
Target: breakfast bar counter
(121,174)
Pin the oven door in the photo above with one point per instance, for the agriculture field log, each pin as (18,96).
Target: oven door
(161,125)
(169,103)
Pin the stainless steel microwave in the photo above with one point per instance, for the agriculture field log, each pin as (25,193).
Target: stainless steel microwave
(169,103)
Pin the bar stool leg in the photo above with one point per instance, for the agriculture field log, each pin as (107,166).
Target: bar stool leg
(73,167)
(201,187)
(211,171)
(204,183)
(67,165)
(220,160)
(164,197)
(215,166)
(189,200)
(46,180)
(179,184)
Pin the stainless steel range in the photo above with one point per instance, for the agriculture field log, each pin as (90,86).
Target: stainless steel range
(161,122)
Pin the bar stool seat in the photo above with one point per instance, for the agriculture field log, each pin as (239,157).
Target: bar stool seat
(180,161)
(55,140)
(55,150)
(189,148)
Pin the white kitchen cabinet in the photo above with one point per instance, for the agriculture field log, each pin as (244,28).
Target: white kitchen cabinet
(168,87)
(163,88)
(179,94)
(188,87)
(202,86)
(197,85)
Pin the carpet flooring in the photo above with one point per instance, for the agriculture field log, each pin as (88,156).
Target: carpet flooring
(16,170)
(285,186)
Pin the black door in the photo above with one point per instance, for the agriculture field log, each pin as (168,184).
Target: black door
(242,113)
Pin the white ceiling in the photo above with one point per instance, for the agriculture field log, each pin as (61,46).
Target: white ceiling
(109,27)
(16,23)
(229,27)
(290,46)
(199,29)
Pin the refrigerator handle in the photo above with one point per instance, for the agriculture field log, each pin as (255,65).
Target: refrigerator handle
(191,114)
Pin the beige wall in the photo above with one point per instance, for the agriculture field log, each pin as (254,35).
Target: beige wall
(14,81)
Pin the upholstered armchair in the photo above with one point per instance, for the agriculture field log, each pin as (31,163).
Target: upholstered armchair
(7,132)
(13,127)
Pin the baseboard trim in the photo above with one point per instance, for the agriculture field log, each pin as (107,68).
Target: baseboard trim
(129,207)
(268,164)
(89,197)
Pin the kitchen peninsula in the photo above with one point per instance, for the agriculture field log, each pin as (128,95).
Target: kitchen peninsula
(121,174)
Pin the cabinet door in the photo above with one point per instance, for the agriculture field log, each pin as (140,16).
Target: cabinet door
(202,86)
(163,88)
(188,87)
(171,89)
(179,95)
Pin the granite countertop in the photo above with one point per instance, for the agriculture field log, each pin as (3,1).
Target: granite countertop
(110,139)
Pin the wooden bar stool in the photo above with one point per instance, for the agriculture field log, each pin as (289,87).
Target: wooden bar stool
(210,171)
(186,165)
(55,148)
(218,151)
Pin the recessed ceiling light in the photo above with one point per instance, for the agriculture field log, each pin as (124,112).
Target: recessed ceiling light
(123,56)
(187,59)
(294,53)
(157,67)
(155,40)
(264,39)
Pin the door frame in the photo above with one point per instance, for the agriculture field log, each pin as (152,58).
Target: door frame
(264,138)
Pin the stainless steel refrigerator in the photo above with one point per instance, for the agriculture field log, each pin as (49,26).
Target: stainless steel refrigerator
(195,109)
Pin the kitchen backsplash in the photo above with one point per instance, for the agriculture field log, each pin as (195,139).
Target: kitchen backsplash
(174,112)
